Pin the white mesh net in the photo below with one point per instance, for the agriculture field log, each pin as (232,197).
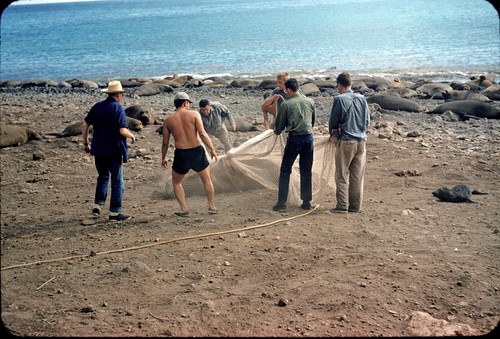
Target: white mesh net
(256,164)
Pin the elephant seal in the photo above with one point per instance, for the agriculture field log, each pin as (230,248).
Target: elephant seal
(482,81)
(380,83)
(492,92)
(39,82)
(151,88)
(76,128)
(242,125)
(471,107)
(267,84)
(459,193)
(426,89)
(245,83)
(464,95)
(309,88)
(402,92)
(394,103)
(13,135)
(142,113)
(134,124)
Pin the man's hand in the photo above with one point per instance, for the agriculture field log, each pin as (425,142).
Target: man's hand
(213,154)
(164,164)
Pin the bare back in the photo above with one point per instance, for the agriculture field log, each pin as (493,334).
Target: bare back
(184,125)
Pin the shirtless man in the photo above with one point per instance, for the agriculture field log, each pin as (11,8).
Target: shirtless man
(270,105)
(187,128)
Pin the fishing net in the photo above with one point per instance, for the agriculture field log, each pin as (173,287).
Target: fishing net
(255,164)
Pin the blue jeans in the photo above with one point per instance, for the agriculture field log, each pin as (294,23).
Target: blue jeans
(302,146)
(107,167)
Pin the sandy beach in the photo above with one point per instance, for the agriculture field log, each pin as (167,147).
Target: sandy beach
(407,265)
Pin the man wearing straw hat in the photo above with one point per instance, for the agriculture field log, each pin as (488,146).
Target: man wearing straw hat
(109,148)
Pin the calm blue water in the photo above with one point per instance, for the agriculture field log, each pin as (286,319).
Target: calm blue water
(106,39)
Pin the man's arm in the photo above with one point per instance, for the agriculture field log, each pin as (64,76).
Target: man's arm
(266,108)
(333,124)
(85,131)
(165,144)
(125,132)
(227,113)
(280,123)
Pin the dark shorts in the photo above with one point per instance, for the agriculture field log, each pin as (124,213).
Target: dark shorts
(191,158)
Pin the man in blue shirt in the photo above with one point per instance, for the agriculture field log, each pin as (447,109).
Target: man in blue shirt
(349,120)
(109,148)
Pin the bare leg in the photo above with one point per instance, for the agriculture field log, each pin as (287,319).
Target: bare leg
(180,195)
(208,187)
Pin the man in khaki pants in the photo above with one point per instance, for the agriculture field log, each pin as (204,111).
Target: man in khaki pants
(348,123)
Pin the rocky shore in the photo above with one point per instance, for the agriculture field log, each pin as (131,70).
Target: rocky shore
(408,265)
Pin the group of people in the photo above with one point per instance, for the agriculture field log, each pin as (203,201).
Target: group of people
(286,110)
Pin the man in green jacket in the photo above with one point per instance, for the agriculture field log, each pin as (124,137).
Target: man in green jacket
(296,115)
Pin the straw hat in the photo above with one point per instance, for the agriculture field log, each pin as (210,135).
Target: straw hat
(114,86)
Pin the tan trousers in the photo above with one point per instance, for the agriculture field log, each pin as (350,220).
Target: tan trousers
(223,135)
(350,164)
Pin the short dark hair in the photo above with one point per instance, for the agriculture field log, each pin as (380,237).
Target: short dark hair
(292,84)
(178,102)
(344,79)
(203,103)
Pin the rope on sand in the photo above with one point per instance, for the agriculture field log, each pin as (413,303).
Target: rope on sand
(161,242)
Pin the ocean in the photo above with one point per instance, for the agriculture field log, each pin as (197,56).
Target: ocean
(108,39)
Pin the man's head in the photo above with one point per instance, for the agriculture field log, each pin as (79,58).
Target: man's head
(180,98)
(291,85)
(344,82)
(281,78)
(205,107)
(114,89)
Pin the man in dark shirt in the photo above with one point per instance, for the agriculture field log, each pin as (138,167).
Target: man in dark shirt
(109,148)
(297,115)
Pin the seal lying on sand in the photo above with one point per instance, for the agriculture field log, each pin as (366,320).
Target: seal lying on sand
(142,113)
(459,193)
(76,128)
(394,103)
(476,108)
(13,135)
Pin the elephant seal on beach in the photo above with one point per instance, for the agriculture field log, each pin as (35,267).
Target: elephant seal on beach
(492,92)
(151,88)
(380,83)
(475,108)
(394,103)
(427,89)
(464,95)
(13,135)
(142,113)
(459,193)
(76,128)
(242,125)
(402,92)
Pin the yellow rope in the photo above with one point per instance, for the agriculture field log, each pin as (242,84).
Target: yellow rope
(161,242)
